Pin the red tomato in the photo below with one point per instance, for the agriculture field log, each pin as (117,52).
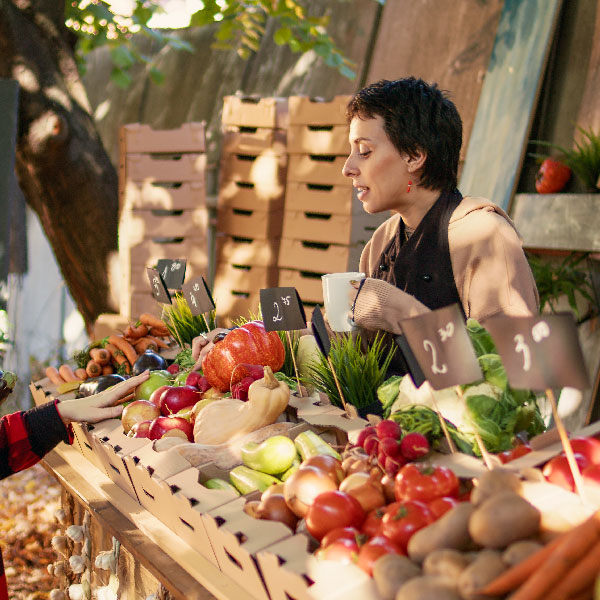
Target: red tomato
(342,550)
(513,453)
(372,524)
(589,447)
(340,533)
(442,505)
(373,549)
(557,470)
(403,519)
(591,475)
(551,177)
(331,510)
(424,482)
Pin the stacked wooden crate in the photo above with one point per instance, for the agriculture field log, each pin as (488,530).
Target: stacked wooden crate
(324,224)
(250,202)
(163,207)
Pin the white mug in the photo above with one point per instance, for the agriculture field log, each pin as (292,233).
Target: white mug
(336,292)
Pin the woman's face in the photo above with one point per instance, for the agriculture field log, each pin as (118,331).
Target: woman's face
(378,171)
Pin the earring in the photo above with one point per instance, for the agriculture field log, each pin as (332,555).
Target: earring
(408,186)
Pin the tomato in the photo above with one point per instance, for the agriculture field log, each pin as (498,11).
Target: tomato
(340,533)
(331,510)
(403,519)
(551,177)
(557,470)
(513,453)
(341,550)
(588,447)
(425,482)
(591,475)
(372,524)
(442,505)
(373,549)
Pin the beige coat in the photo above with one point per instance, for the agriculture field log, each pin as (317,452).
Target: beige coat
(491,272)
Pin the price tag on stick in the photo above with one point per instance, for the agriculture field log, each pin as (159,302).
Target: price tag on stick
(198,296)
(441,346)
(158,287)
(282,309)
(172,272)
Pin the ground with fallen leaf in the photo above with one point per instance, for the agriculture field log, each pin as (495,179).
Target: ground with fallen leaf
(28,501)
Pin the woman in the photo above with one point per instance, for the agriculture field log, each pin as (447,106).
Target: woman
(438,248)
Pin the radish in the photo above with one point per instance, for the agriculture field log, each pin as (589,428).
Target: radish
(363,434)
(388,428)
(414,445)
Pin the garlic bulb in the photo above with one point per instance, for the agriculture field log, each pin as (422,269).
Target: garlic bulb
(59,543)
(77,563)
(75,533)
(57,594)
(106,560)
(59,568)
(105,593)
(61,516)
(76,592)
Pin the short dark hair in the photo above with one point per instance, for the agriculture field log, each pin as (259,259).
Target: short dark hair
(417,116)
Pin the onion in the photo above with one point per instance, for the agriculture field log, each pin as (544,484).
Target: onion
(331,465)
(356,465)
(301,488)
(366,489)
(388,488)
(251,508)
(274,508)
(276,488)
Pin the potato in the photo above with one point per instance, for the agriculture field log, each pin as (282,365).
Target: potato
(427,587)
(451,531)
(493,482)
(503,519)
(519,551)
(390,571)
(446,563)
(484,569)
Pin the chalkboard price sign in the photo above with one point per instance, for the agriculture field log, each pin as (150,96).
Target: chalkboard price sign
(319,330)
(541,352)
(198,296)
(158,287)
(172,272)
(441,345)
(281,309)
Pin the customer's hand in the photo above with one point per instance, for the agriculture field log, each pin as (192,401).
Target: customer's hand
(99,407)
(203,344)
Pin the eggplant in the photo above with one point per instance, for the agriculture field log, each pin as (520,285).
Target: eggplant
(7,384)
(148,361)
(95,385)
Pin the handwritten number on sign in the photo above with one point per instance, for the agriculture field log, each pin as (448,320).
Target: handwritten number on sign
(521,346)
(156,284)
(434,367)
(277,316)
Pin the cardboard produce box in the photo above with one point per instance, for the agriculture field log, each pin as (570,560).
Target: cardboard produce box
(138,278)
(238,194)
(233,303)
(245,276)
(136,138)
(253,111)
(87,443)
(319,169)
(334,199)
(266,170)
(245,250)
(108,323)
(332,258)
(304,110)
(175,168)
(139,303)
(193,248)
(148,195)
(253,140)
(326,227)
(307,284)
(318,139)
(258,224)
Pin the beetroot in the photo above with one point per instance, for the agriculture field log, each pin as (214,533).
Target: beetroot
(239,390)
(414,445)
(173,368)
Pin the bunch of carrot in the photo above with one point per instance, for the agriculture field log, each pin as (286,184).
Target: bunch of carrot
(564,569)
(117,352)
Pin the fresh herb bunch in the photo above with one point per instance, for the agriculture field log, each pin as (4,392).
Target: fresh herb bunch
(583,160)
(290,351)
(184,359)
(182,324)
(359,373)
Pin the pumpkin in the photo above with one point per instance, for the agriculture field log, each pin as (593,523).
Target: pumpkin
(248,344)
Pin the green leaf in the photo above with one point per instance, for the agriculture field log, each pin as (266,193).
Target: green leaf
(282,36)
(157,76)
(121,78)
(122,57)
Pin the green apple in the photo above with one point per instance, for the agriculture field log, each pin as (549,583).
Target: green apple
(180,378)
(156,380)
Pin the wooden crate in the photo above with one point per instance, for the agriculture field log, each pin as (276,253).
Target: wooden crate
(166,168)
(136,138)
(244,250)
(238,194)
(318,139)
(319,169)
(253,111)
(332,258)
(253,139)
(170,196)
(304,110)
(258,224)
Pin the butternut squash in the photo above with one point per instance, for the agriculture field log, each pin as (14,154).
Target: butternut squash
(229,419)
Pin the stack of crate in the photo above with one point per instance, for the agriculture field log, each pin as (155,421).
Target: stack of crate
(324,227)
(163,207)
(250,202)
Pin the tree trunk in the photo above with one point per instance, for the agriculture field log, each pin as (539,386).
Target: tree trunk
(62,167)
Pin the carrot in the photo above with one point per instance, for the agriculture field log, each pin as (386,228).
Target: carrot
(93,369)
(152,321)
(81,373)
(127,398)
(54,376)
(158,341)
(587,594)
(159,332)
(107,370)
(565,556)
(135,332)
(118,356)
(100,355)
(145,344)
(67,373)
(580,577)
(124,346)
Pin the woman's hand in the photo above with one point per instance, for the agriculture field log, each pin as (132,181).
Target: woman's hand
(99,407)
(203,344)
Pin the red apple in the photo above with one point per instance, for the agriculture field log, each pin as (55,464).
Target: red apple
(161,425)
(157,393)
(173,399)
(138,411)
(141,429)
